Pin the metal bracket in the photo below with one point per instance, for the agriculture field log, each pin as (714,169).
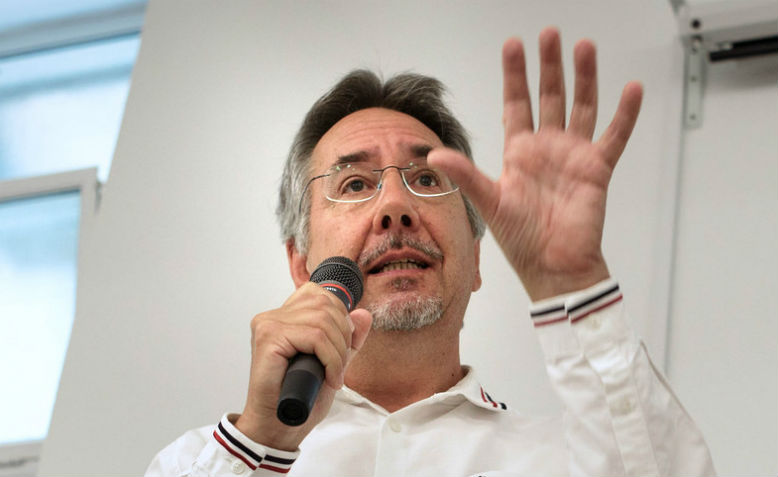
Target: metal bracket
(694,82)
(717,31)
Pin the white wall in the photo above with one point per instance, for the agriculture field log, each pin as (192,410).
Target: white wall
(185,248)
(723,338)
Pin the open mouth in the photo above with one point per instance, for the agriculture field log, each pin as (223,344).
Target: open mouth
(401,264)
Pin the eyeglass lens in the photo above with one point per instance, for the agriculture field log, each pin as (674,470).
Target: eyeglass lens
(360,181)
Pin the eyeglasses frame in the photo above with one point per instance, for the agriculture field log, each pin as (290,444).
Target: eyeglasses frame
(378,189)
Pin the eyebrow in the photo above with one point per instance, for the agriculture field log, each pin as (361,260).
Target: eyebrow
(420,150)
(359,156)
(416,150)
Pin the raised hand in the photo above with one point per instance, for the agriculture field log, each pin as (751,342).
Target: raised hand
(547,209)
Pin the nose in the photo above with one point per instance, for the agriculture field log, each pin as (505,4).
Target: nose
(395,209)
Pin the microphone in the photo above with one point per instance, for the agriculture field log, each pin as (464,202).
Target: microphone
(305,373)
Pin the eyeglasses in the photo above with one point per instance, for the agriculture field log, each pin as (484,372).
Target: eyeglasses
(359,182)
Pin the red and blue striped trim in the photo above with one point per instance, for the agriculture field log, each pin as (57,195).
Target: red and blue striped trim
(488,399)
(232,443)
(549,315)
(576,309)
(588,305)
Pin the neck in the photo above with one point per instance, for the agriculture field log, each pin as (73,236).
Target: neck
(397,368)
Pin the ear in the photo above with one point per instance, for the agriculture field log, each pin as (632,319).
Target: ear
(297,267)
(477,256)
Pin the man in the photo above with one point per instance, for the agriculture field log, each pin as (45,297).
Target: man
(388,167)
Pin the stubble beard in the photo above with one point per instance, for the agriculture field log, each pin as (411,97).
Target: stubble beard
(406,314)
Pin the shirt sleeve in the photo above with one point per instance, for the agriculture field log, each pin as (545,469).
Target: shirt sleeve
(223,450)
(622,417)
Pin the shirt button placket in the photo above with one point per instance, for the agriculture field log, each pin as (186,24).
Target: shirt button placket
(395,426)
(390,460)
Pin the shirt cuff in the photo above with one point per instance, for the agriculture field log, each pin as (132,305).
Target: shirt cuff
(589,345)
(242,451)
(581,321)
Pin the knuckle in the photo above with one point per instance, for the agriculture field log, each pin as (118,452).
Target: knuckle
(318,335)
(306,286)
(335,364)
(256,321)
(263,328)
(311,288)
(320,317)
(322,300)
(514,142)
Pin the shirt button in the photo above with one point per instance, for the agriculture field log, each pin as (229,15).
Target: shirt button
(238,467)
(395,426)
(624,406)
(594,323)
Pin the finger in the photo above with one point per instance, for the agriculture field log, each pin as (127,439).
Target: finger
(552,80)
(517,106)
(313,291)
(363,320)
(614,139)
(314,306)
(473,183)
(325,321)
(336,313)
(282,339)
(321,308)
(584,115)
(314,341)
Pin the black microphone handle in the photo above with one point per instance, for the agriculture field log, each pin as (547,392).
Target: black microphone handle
(300,388)
(305,374)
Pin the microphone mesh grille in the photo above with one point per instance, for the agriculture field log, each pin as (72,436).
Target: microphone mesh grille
(342,270)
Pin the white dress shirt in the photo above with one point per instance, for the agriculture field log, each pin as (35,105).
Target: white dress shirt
(621,418)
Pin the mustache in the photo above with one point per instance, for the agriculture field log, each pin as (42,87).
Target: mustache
(396,241)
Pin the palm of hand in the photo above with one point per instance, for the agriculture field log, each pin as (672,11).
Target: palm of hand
(547,209)
(551,203)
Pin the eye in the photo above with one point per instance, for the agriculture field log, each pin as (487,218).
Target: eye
(426,180)
(354,184)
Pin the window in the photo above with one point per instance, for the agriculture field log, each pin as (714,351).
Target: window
(60,110)
(39,226)
(64,79)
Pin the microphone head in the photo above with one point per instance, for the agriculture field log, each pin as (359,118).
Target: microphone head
(342,271)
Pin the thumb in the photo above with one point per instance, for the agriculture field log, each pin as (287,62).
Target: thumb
(362,320)
(473,183)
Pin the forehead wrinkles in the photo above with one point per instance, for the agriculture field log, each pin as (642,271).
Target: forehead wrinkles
(377,132)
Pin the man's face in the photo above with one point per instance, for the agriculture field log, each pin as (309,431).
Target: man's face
(413,251)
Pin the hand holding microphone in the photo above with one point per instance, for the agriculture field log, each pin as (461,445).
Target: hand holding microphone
(315,322)
(303,378)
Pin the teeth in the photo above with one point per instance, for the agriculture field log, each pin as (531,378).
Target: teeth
(400,265)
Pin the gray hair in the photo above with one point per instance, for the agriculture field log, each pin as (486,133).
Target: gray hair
(418,96)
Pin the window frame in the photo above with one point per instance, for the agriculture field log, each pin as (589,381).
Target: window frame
(79,180)
(21,458)
(73,30)
(78,29)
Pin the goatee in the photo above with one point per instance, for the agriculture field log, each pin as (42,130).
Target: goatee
(407,315)
(404,314)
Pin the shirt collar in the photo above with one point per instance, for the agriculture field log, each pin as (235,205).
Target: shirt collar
(467,389)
